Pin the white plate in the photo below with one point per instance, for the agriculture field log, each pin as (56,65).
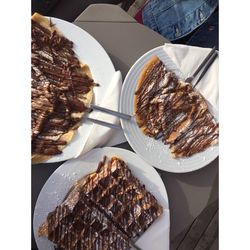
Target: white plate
(89,51)
(57,186)
(151,150)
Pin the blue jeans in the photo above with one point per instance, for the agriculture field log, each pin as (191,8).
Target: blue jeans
(175,19)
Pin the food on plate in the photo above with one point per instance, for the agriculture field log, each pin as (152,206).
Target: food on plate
(62,88)
(107,209)
(167,106)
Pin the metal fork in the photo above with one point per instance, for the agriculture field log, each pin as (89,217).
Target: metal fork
(103,123)
(111,112)
(108,111)
(208,60)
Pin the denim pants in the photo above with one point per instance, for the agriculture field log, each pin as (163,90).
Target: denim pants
(175,19)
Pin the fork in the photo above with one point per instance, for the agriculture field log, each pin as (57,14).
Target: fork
(111,112)
(208,60)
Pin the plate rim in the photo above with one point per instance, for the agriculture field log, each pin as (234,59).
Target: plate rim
(131,143)
(82,30)
(59,158)
(109,149)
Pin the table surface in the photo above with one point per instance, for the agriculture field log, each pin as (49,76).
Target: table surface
(125,41)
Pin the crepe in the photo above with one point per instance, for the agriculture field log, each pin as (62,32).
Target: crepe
(59,75)
(168,107)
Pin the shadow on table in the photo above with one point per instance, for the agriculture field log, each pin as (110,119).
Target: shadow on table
(177,200)
(196,178)
(123,67)
(189,184)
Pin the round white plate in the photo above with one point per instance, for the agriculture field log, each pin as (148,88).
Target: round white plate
(89,51)
(154,151)
(57,186)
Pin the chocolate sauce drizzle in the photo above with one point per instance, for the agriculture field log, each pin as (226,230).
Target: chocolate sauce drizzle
(109,209)
(58,84)
(170,107)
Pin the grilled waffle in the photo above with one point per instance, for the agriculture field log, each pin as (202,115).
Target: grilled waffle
(123,198)
(107,209)
(166,105)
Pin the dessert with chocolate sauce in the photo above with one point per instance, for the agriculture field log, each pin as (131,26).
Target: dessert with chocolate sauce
(107,209)
(61,89)
(167,106)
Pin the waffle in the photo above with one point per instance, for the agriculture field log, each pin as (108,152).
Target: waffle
(107,209)
(123,198)
(168,106)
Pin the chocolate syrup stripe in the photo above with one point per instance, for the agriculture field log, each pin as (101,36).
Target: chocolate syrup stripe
(203,131)
(58,76)
(197,122)
(173,122)
(196,139)
(200,143)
